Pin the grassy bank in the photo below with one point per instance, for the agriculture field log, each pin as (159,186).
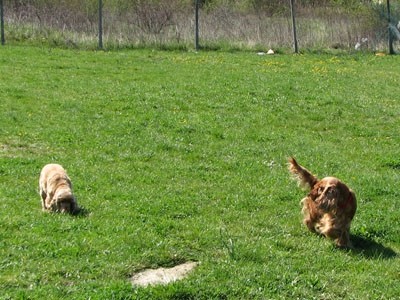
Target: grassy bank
(181,156)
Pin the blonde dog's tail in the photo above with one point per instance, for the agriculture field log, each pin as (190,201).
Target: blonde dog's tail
(303,176)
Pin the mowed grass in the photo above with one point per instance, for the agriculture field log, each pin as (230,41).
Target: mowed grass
(180,156)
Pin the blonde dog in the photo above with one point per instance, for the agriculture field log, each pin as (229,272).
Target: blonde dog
(329,207)
(55,189)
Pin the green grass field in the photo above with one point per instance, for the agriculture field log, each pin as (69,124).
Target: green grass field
(182,156)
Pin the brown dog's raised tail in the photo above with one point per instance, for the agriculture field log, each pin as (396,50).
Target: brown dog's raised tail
(304,176)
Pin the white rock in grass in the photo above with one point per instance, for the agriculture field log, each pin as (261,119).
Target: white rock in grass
(270,51)
(162,275)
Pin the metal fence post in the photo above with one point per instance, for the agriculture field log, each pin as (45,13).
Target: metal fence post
(292,9)
(100,24)
(197,24)
(3,40)
(391,50)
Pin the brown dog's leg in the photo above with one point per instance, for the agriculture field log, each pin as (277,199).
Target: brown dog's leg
(343,241)
(340,236)
(310,213)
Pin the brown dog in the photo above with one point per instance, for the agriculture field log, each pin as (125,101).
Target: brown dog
(56,190)
(330,206)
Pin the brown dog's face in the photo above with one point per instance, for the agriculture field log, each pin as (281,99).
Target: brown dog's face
(329,193)
(326,188)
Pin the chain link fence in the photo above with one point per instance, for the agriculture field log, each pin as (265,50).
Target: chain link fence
(176,24)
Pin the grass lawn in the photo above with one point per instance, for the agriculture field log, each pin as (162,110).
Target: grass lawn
(182,156)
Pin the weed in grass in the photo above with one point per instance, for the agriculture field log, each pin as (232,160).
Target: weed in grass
(227,243)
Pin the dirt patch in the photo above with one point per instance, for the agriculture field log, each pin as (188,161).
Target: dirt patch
(162,275)
(16,148)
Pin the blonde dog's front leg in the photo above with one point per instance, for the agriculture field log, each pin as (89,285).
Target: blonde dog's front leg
(47,203)
(43,196)
(53,205)
(44,208)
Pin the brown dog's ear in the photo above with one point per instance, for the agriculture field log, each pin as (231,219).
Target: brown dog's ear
(314,193)
(303,176)
(347,201)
